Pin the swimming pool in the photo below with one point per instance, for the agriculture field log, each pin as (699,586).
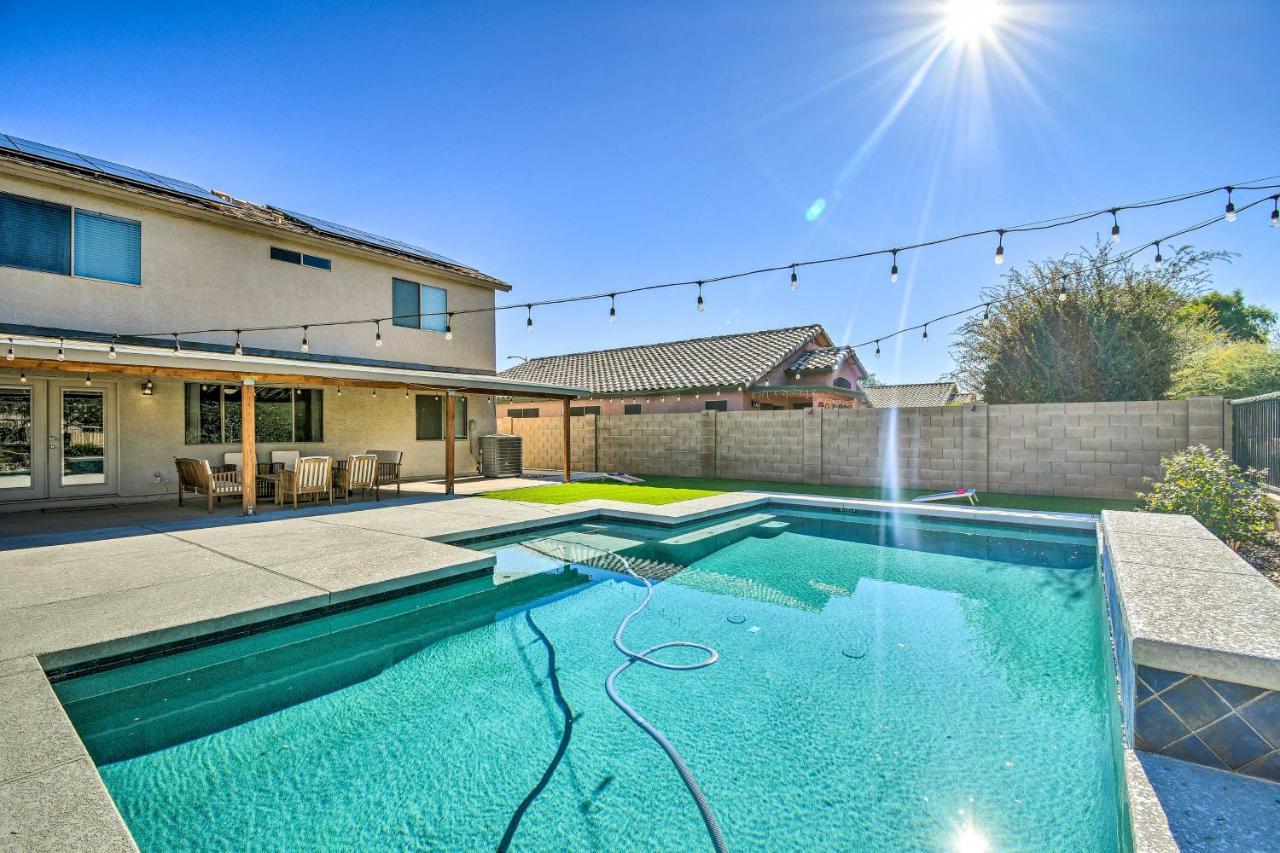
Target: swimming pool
(883,682)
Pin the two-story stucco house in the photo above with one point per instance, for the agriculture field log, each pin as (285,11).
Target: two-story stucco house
(111,277)
(792,368)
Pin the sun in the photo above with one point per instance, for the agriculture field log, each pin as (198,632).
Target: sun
(970,21)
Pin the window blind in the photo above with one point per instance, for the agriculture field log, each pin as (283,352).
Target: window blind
(35,235)
(108,247)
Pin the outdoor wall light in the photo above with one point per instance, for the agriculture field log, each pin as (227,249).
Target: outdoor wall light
(148,388)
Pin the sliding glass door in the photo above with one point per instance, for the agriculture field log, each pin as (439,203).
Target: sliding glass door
(57,439)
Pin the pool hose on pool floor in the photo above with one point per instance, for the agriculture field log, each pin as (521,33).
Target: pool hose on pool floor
(589,555)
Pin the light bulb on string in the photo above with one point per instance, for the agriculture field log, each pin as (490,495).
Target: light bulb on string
(177,348)
(528,322)
(8,356)
(1275,212)
(795,279)
(377,336)
(1000,248)
(111,351)
(877,349)
(62,354)
(1115,227)
(1230,214)
(893,270)
(306,345)
(986,314)
(925,336)
(1062,292)
(448,327)
(702,306)
(239,350)
(1159,260)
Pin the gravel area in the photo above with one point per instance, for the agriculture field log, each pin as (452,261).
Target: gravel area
(1264,557)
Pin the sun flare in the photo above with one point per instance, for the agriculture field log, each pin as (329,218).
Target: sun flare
(969,21)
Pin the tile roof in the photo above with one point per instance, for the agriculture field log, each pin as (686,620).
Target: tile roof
(911,395)
(725,360)
(821,359)
(113,174)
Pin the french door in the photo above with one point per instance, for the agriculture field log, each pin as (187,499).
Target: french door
(57,439)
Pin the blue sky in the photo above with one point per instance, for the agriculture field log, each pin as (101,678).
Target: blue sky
(576,147)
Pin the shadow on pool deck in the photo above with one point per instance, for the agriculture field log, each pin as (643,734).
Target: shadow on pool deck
(1212,809)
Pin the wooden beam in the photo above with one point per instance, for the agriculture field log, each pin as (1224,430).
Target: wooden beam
(449,400)
(565,442)
(235,377)
(248,449)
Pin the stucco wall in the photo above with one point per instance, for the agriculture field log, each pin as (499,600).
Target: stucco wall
(150,432)
(201,270)
(1075,449)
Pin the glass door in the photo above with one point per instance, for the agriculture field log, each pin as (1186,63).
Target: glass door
(21,469)
(82,457)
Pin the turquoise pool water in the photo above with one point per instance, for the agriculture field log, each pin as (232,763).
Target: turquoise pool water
(912,685)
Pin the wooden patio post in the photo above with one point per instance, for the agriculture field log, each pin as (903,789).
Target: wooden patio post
(564,439)
(448,442)
(248,448)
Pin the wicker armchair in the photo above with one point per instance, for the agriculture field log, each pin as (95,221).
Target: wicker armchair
(313,475)
(359,472)
(195,475)
(388,467)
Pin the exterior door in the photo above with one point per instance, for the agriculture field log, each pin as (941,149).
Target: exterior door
(81,439)
(22,467)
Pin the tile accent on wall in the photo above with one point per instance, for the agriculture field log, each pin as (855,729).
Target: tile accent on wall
(1206,721)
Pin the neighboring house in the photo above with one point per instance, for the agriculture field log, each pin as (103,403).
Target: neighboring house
(794,368)
(918,394)
(101,265)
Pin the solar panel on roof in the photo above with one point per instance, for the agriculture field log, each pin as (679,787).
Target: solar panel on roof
(106,167)
(337,230)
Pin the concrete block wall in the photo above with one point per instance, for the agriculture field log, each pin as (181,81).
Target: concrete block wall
(681,445)
(760,445)
(1102,450)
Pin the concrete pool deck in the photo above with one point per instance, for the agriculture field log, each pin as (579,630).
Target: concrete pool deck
(77,593)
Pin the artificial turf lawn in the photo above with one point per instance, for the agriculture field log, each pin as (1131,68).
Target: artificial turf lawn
(665,490)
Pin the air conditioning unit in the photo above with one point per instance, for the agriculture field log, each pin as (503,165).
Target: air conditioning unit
(501,455)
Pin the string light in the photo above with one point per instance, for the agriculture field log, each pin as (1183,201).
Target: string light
(1275,212)
(986,315)
(1062,291)
(448,327)
(1231,206)
(925,336)
(877,349)
(702,306)
(306,345)
(893,270)
(62,354)
(528,323)
(1115,227)
(377,337)
(795,279)
(1000,248)
(177,348)
(8,356)
(239,350)
(1159,260)
(111,351)
(88,380)
(613,308)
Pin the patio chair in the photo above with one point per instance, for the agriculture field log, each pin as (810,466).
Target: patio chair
(313,475)
(195,475)
(267,471)
(388,467)
(287,458)
(360,472)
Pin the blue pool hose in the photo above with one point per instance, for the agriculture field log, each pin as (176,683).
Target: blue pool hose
(610,687)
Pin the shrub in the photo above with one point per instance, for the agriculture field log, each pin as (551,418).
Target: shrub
(1206,485)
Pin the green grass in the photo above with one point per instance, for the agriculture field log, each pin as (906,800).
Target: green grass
(665,490)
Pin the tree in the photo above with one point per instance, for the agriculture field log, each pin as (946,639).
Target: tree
(1118,334)
(1232,369)
(1229,312)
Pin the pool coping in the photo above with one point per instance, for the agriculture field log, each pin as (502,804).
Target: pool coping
(37,738)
